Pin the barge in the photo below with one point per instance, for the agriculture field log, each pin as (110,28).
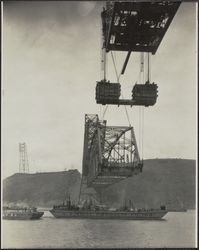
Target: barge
(21,213)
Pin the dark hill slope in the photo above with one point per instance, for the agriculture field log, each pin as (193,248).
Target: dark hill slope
(43,189)
(170,181)
(162,181)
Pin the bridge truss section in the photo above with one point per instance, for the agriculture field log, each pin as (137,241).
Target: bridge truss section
(110,153)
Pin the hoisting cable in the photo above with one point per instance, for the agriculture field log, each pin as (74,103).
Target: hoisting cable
(100,111)
(104,112)
(142,67)
(139,129)
(148,78)
(148,68)
(141,110)
(142,133)
(103,65)
(118,79)
(140,82)
(117,76)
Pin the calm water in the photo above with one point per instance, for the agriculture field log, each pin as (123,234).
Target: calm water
(177,230)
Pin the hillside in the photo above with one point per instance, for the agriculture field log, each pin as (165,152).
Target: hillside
(41,189)
(170,181)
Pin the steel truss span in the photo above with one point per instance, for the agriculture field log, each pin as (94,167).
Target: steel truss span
(110,153)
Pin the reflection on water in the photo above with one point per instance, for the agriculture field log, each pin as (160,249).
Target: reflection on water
(177,230)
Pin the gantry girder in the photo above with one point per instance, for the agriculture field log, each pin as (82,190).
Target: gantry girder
(110,153)
(136,26)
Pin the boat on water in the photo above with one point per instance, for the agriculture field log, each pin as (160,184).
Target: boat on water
(21,213)
(96,212)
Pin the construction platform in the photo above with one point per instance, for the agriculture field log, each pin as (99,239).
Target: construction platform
(136,26)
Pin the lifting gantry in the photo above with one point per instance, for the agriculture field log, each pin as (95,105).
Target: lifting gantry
(133,26)
(110,152)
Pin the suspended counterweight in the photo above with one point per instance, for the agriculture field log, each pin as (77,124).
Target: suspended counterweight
(142,94)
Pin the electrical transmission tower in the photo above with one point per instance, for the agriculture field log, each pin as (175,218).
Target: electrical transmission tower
(23,158)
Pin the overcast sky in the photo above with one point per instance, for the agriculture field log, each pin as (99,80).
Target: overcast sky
(51,62)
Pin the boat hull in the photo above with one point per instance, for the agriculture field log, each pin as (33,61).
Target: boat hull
(22,215)
(144,215)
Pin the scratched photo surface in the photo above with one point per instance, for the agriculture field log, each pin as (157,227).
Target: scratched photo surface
(52,59)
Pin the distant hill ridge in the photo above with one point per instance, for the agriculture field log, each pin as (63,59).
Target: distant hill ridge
(163,181)
(41,189)
(170,181)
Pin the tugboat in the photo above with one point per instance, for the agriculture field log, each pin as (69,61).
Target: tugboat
(21,213)
(90,211)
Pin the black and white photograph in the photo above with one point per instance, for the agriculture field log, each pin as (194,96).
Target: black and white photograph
(99,124)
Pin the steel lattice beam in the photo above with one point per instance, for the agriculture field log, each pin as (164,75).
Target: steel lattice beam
(110,153)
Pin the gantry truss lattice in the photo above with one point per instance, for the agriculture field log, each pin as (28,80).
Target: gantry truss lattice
(135,25)
(110,153)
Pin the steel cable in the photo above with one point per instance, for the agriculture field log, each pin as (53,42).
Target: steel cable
(118,80)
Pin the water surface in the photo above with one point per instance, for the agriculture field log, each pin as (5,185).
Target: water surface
(177,230)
